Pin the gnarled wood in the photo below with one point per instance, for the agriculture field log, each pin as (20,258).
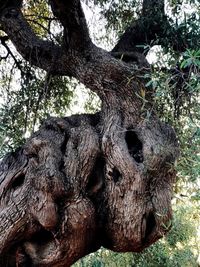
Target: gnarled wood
(83,182)
(87,180)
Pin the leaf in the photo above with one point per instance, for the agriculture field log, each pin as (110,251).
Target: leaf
(142,91)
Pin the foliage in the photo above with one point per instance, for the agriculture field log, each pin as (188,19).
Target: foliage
(29,99)
(182,14)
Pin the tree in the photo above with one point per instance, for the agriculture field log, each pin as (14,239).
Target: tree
(93,179)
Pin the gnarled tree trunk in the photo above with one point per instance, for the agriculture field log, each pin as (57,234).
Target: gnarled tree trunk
(87,180)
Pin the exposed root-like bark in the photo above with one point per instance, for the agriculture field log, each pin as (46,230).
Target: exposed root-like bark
(86,181)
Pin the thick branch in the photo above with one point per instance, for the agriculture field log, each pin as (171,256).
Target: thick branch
(95,68)
(92,68)
(152,26)
(131,57)
(44,54)
(145,29)
(71,16)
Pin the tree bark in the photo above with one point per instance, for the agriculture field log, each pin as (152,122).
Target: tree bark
(87,180)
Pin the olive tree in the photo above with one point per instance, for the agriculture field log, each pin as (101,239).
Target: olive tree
(88,180)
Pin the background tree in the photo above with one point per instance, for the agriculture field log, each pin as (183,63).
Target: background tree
(172,87)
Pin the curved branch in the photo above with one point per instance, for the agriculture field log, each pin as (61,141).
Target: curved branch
(153,25)
(147,28)
(94,67)
(43,54)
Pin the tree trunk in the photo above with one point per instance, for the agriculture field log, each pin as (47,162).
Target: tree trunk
(87,180)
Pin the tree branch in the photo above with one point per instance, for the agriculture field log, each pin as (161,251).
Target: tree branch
(9,52)
(43,54)
(131,57)
(153,25)
(92,66)
(144,30)
(71,16)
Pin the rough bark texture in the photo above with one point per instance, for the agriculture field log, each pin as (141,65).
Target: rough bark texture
(87,180)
